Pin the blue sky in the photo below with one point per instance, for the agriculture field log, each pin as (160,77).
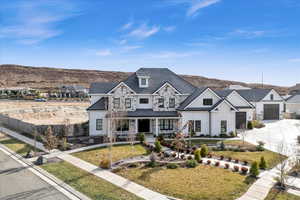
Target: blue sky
(227,39)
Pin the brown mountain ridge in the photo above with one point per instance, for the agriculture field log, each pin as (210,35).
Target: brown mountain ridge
(47,78)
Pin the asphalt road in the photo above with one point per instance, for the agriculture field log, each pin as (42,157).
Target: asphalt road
(19,183)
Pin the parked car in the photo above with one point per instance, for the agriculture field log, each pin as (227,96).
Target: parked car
(41,100)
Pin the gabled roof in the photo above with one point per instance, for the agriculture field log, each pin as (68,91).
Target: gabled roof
(221,101)
(254,95)
(101,104)
(158,77)
(225,93)
(101,88)
(191,98)
(293,99)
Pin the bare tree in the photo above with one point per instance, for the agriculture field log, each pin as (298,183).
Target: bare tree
(50,140)
(179,142)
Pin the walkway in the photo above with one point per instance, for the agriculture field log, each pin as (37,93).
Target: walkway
(117,180)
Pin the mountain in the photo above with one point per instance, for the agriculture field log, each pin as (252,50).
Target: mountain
(51,78)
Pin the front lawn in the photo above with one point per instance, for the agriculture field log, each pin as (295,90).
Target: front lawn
(86,183)
(16,145)
(277,195)
(203,182)
(118,152)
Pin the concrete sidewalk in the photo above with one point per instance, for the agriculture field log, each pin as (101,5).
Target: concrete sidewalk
(117,180)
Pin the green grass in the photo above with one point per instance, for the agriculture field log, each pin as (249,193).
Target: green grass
(118,152)
(202,182)
(86,183)
(16,145)
(277,195)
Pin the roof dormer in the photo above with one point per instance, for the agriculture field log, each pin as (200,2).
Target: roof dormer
(143,81)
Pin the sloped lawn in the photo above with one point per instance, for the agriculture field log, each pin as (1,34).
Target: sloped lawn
(202,182)
(88,184)
(118,152)
(277,195)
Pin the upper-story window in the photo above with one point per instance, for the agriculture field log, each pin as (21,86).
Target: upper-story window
(172,103)
(161,102)
(272,97)
(144,101)
(143,82)
(116,103)
(207,102)
(127,103)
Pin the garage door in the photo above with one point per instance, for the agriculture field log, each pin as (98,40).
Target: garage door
(241,118)
(271,111)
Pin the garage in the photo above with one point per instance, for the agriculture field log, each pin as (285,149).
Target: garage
(271,111)
(241,120)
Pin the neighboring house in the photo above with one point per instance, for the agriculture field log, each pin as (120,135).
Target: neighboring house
(292,104)
(71,91)
(237,87)
(157,101)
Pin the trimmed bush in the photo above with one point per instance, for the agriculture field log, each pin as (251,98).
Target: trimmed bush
(158,146)
(244,170)
(197,154)
(191,163)
(250,125)
(208,162)
(200,161)
(229,159)
(236,168)
(262,163)
(221,157)
(217,164)
(254,171)
(174,155)
(182,156)
(204,150)
(141,137)
(245,162)
(105,163)
(260,146)
(226,166)
(189,157)
(237,161)
(172,166)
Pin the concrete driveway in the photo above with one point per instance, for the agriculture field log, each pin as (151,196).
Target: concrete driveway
(275,134)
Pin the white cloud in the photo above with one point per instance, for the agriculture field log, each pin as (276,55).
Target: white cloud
(249,33)
(294,60)
(173,54)
(104,52)
(144,31)
(130,48)
(127,25)
(36,21)
(122,42)
(169,28)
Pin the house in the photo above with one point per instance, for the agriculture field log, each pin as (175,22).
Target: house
(71,91)
(292,105)
(157,101)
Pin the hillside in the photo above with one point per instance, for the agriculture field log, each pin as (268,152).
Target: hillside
(51,78)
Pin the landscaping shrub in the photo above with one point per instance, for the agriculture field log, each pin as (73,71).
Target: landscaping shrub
(221,157)
(189,157)
(182,156)
(262,163)
(208,162)
(250,125)
(158,146)
(191,163)
(244,170)
(152,164)
(200,161)
(217,164)
(245,162)
(172,166)
(204,150)
(160,138)
(141,137)
(233,134)
(209,155)
(174,155)
(237,161)
(226,166)
(254,171)
(222,146)
(133,165)
(260,146)
(197,155)
(236,168)
(229,159)
(105,163)
(257,124)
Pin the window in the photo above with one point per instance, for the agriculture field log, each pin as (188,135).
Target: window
(144,100)
(223,127)
(128,103)
(122,125)
(143,81)
(207,102)
(166,124)
(272,97)
(172,103)
(99,124)
(197,126)
(116,102)
(161,102)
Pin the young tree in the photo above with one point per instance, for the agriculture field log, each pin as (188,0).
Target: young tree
(254,171)
(179,142)
(197,155)
(262,163)
(204,150)
(50,140)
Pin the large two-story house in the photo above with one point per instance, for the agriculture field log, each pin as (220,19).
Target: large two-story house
(157,101)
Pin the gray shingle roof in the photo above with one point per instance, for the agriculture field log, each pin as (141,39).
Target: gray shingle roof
(151,113)
(158,77)
(223,93)
(294,99)
(254,95)
(190,98)
(101,88)
(101,104)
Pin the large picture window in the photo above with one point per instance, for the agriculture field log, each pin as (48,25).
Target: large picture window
(127,103)
(161,102)
(207,102)
(144,101)
(172,103)
(122,125)
(166,124)
(223,127)
(99,124)
(116,103)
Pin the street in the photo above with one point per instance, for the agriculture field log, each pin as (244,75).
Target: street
(17,182)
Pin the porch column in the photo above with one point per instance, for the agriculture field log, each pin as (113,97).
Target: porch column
(156,126)
(136,125)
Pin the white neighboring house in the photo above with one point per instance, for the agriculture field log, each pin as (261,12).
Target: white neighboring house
(292,104)
(157,101)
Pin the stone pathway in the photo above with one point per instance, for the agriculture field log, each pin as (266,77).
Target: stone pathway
(117,180)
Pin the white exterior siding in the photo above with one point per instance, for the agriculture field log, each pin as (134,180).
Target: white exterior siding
(198,102)
(293,108)
(196,115)
(235,99)
(276,96)
(259,108)
(144,106)
(93,116)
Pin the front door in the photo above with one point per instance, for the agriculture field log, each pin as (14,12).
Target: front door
(241,119)
(144,125)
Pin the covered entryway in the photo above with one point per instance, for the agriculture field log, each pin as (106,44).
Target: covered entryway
(271,111)
(144,125)
(241,120)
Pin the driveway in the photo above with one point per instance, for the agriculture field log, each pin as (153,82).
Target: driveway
(276,134)
(18,183)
